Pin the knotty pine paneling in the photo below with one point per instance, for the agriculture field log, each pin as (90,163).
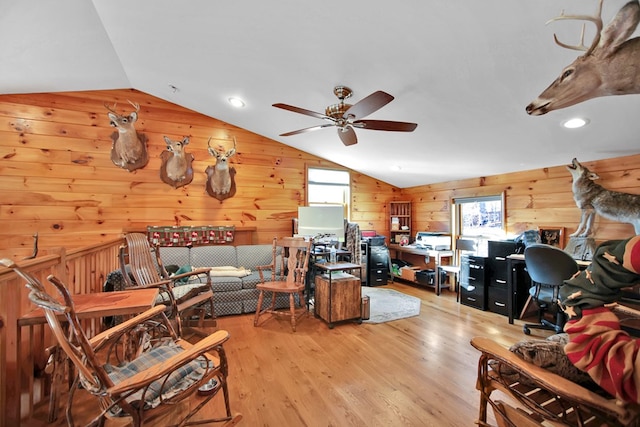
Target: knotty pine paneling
(57,178)
(535,198)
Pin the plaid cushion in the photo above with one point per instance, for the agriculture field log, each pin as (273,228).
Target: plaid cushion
(178,380)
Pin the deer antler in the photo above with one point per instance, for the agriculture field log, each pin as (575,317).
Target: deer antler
(134,105)
(597,20)
(220,146)
(112,109)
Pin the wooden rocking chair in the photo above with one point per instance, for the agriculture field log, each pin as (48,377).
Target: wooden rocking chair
(184,300)
(159,379)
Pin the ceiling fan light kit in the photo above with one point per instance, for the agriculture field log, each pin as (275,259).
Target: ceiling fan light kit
(346,116)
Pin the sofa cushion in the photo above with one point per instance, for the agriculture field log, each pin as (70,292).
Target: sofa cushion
(214,256)
(250,256)
(250,281)
(225,284)
(174,255)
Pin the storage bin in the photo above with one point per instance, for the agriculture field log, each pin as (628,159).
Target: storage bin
(428,277)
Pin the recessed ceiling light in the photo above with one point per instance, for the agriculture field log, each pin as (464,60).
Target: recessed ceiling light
(575,123)
(236,102)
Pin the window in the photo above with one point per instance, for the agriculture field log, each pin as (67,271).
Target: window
(328,187)
(479,218)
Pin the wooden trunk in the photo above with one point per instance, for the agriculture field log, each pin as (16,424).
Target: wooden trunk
(338,299)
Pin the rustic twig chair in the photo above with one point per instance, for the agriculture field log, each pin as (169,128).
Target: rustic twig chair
(287,274)
(538,397)
(160,378)
(184,300)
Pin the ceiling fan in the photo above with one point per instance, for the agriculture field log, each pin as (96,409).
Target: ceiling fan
(346,116)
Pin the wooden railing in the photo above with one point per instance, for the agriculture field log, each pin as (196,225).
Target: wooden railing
(23,384)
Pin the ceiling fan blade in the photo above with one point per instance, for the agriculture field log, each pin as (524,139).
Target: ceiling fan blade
(347,135)
(368,105)
(385,125)
(312,128)
(303,111)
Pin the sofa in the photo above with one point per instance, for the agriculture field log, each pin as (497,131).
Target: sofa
(234,293)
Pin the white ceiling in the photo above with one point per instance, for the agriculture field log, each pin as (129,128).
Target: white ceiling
(463,70)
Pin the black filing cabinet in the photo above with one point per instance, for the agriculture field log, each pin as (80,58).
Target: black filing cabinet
(498,272)
(473,282)
(377,265)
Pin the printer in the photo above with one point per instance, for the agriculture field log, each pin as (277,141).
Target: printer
(432,241)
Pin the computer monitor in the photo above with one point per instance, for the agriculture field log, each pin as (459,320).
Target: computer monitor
(322,223)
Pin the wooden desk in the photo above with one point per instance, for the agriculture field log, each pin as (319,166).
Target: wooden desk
(88,306)
(581,264)
(437,256)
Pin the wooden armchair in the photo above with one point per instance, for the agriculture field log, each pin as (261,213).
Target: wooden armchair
(184,300)
(541,397)
(139,369)
(287,274)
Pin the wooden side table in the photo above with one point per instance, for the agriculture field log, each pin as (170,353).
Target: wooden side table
(338,296)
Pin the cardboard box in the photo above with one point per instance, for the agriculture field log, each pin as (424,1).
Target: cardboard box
(409,273)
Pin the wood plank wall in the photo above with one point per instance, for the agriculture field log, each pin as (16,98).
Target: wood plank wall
(57,179)
(540,198)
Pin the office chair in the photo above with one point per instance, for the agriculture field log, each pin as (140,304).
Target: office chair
(548,267)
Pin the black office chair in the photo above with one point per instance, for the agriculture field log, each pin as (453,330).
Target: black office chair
(548,267)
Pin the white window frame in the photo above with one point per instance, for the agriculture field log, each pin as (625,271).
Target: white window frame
(342,199)
(492,233)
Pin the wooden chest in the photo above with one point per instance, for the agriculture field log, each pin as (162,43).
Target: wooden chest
(338,299)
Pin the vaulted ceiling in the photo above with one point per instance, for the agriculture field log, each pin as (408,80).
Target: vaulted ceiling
(463,70)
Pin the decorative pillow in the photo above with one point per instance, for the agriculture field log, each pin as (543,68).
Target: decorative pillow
(549,354)
(181,270)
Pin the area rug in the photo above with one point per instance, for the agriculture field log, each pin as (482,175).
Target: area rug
(386,305)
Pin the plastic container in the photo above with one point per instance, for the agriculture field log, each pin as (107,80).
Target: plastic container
(333,255)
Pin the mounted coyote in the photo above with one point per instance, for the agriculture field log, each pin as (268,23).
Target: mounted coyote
(592,198)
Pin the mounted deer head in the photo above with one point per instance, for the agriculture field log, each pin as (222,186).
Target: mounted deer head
(610,66)
(220,178)
(129,149)
(176,169)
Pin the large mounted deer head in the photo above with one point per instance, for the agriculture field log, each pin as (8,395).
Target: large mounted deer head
(610,66)
(221,177)
(129,149)
(176,169)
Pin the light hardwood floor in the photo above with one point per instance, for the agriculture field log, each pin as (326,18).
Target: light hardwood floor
(419,371)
